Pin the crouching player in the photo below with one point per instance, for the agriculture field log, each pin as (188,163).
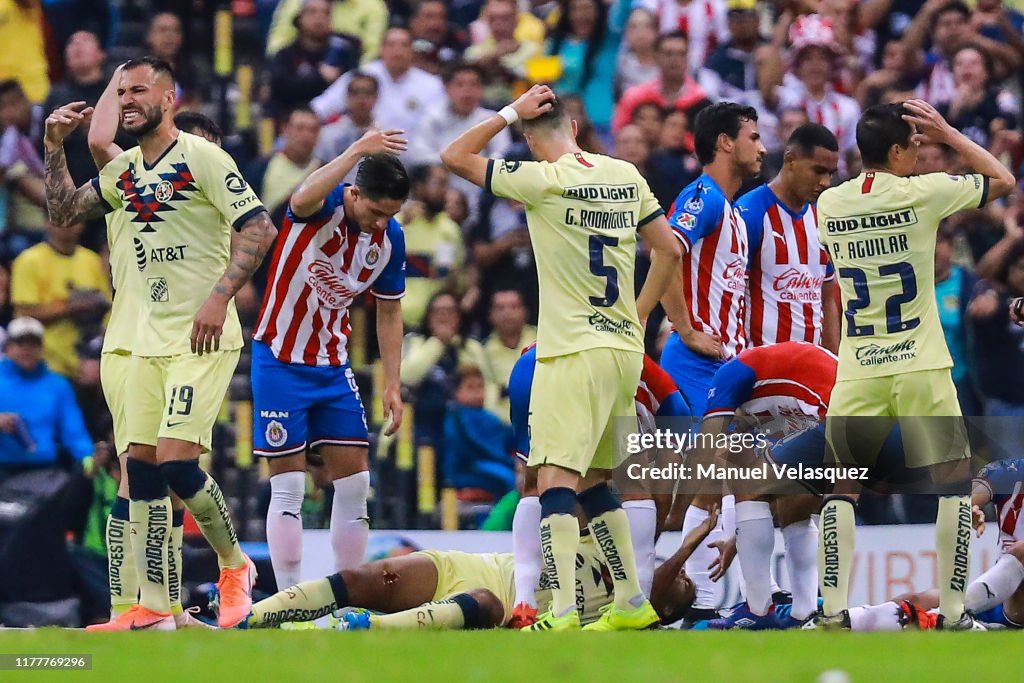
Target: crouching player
(456,590)
(656,396)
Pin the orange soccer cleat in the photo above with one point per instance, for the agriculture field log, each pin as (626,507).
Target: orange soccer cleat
(137,618)
(522,616)
(913,617)
(235,588)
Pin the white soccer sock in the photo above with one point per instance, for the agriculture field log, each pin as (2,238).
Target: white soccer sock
(350,525)
(643,525)
(884,617)
(801,540)
(755,543)
(697,564)
(284,526)
(526,550)
(995,585)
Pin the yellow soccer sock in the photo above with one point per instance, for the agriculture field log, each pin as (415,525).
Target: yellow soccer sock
(612,536)
(835,553)
(953,553)
(122,576)
(305,601)
(211,514)
(151,532)
(174,568)
(443,614)
(559,539)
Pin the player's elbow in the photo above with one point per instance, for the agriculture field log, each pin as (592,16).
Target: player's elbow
(670,252)
(1002,185)
(450,159)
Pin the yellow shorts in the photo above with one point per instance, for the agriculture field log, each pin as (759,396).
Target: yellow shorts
(459,572)
(862,412)
(178,397)
(114,368)
(573,405)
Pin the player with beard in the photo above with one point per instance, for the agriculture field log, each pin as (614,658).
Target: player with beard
(182,196)
(709,305)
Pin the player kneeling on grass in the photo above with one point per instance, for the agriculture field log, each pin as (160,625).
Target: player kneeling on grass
(455,590)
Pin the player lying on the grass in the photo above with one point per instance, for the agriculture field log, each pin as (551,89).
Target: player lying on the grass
(453,590)
(656,396)
(1001,482)
(783,388)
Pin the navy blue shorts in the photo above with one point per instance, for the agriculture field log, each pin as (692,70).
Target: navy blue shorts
(295,406)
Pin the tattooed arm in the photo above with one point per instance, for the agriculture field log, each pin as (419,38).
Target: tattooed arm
(248,248)
(67,205)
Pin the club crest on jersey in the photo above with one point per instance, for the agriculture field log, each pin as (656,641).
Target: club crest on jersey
(235,183)
(510,165)
(372,256)
(694,205)
(276,434)
(164,191)
(686,221)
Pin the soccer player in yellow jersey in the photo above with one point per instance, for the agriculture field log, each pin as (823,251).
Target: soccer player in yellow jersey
(879,229)
(184,195)
(583,212)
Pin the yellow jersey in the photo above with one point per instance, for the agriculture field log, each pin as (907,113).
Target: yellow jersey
(124,313)
(880,231)
(583,212)
(42,275)
(179,213)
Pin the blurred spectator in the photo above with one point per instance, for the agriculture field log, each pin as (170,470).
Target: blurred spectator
(446,120)
(954,285)
(976,108)
(38,412)
(650,118)
(501,250)
(404,91)
(501,51)
(315,59)
(638,60)
(631,146)
(276,177)
(457,207)
(529,24)
(998,356)
(335,138)
(64,286)
(6,310)
(477,444)
(789,120)
(21,167)
(702,20)
(432,34)
(586,39)
(430,359)
(89,394)
(934,158)
(672,164)
(434,251)
(164,40)
(673,87)
(23,57)
(501,349)
(365,19)
(893,73)
(994,19)
(731,70)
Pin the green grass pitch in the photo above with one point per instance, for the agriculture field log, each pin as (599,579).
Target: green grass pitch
(383,657)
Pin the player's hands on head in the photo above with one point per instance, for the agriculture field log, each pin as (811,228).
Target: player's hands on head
(930,125)
(376,141)
(534,102)
(209,325)
(65,119)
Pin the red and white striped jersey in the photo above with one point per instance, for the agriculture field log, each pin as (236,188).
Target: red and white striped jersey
(1004,480)
(788,266)
(788,381)
(320,264)
(715,262)
(704,22)
(837,112)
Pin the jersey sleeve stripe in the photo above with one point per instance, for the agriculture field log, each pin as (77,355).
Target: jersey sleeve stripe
(251,213)
(650,218)
(984,191)
(719,412)
(388,295)
(681,237)
(490,174)
(107,208)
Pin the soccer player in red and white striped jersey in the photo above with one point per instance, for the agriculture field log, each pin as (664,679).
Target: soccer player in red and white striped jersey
(791,276)
(337,241)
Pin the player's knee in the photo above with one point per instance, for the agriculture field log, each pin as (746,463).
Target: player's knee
(597,500)
(184,477)
(480,609)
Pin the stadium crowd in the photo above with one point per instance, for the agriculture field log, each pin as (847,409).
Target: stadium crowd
(634,72)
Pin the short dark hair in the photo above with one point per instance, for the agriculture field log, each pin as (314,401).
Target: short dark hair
(717,119)
(880,127)
(192,121)
(955,6)
(160,66)
(555,117)
(808,136)
(11,86)
(301,109)
(671,35)
(363,76)
(420,173)
(382,176)
(452,70)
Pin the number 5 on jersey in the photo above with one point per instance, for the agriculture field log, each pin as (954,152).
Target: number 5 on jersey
(600,269)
